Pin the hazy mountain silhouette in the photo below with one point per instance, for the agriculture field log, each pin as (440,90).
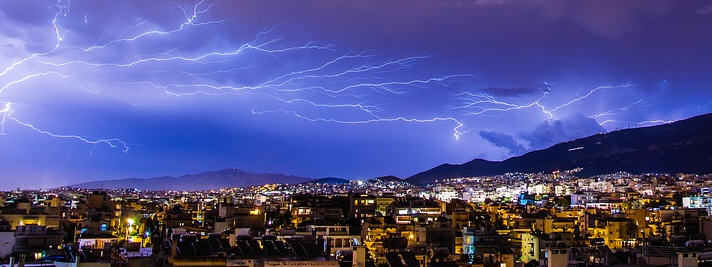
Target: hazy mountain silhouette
(202,181)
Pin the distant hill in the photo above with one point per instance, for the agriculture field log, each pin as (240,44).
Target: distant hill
(329,180)
(202,181)
(682,146)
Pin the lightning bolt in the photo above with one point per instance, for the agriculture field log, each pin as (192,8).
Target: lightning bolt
(7,112)
(655,122)
(639,123)
(483,103)
(189,21)
(403,62)
(457,133)
(385,86)
(195,59)
(607,121)
(63,10)
(615,111)
(198,74)
(589,93)
(369,109)
(30,77)
(621,110)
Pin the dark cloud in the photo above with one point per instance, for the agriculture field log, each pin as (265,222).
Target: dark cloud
(705,10)
(551,132)
(546,134)
(504,140)
(609,19)
(510,91)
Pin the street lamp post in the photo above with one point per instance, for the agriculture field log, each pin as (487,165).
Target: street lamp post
(128,229)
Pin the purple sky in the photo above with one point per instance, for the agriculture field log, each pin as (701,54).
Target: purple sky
(111,89)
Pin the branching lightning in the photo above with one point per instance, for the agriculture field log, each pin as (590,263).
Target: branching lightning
(482,103)
(190,20)
(589,93)
(339,83)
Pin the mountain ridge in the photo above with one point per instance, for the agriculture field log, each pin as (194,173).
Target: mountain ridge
(224,178)
(681,146)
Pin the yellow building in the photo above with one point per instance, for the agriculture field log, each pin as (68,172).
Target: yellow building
(382,204)
(531,249)
(617,233)
(555,225)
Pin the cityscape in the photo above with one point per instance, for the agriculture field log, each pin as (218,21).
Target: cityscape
(344,133)
(514,219)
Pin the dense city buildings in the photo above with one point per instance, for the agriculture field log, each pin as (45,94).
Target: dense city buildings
(264,133)
(539,219)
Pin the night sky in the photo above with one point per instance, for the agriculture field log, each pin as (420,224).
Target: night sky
(95,90)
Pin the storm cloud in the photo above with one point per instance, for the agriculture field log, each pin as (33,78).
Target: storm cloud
(311,87)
